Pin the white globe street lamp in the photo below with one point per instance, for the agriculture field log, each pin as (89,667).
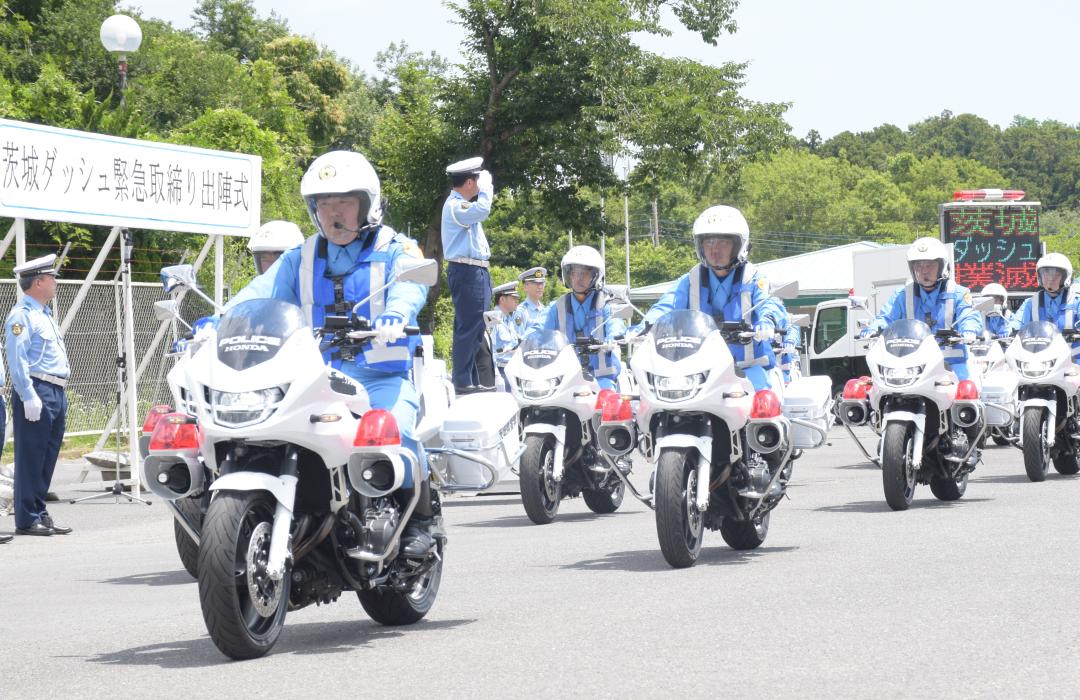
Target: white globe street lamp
(121,35)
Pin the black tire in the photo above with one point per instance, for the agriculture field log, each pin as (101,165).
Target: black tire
(745,534)
(395,608)
(946,489)
(679,525)
(185,546)
(897,472)
(1067,464)
(1036,451)
(242,628)
(605,500)
(999,439)
(539,493)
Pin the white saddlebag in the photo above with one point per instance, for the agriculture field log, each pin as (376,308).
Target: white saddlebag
(485,424)
(808,399)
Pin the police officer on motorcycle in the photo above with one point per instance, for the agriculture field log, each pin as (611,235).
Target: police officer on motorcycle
(1054,301)
(725,283)
(998,318)
(933,297)
(583,311)
(351,257)
(271,240)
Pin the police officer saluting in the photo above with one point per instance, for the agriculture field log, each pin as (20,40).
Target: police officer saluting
(466,249)
(532,310)
(39,373)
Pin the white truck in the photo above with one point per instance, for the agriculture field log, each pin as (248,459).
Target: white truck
(834,348)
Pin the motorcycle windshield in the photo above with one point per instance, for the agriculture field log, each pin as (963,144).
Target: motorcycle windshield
(904,337)
(1037,335)
(679,334)
(539,349)
(253,331)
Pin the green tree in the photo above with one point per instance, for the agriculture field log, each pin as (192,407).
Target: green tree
(234,27)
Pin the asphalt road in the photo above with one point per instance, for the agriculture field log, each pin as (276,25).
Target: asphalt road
(972,598)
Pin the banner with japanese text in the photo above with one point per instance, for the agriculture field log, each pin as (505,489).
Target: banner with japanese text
(996,243)
(56,174)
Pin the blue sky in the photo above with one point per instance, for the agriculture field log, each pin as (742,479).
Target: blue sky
(844,64)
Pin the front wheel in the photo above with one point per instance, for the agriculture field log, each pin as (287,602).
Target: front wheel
(1036,451)
(897,467)
(679,525)
(393,608)
(540,494)
(243,607)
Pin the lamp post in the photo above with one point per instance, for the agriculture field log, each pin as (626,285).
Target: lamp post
(121,35)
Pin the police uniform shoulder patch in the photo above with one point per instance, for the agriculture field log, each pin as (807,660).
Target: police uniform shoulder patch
(967,298)
(412,249)
(16,329)
(465,205)
(763,284)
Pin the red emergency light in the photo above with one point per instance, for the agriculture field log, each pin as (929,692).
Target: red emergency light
(987,195)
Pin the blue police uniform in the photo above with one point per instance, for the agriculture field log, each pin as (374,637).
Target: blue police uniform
(590,317)
(466,249)
(732,296)
(1063,310)
(39,370)
(998,323)
(528,314)
(327,279)
(505,339)
(947,305)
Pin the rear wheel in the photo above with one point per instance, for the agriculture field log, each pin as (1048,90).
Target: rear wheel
(679,525)
(605,500)
(1036,450)
(1067,464)
(185,546)
(897,468)
(946,489)
(393,608)
(243,607)
(540,494)
(745,534)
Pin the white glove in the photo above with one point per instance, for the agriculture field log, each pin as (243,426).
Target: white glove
(764,331)
(32,409)
(389,328)
(483,181)
(969,337)
(632,335)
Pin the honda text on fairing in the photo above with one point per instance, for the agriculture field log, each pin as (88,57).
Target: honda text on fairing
(931,424)
(304,477)
(1049,382)
(721,450)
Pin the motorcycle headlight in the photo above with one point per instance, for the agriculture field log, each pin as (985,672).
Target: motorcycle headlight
(537,389)
(677,388)
(1035,370)
(241,409)
(901,376)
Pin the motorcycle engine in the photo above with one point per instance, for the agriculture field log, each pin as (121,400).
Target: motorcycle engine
(958,444)
(380,523)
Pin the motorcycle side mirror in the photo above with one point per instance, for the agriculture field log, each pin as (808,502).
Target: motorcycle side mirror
(622,310)
(788,290)
(167,310)
(423,271)
(492,318)
(617,292)
(983,304)
(175,276)
(801,320)
(858,303)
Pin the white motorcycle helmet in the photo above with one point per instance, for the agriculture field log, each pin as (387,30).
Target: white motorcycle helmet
(271,240)
(586,256)
(344,172)
(996,290)
(722,220)
(1058,262)
(927,248)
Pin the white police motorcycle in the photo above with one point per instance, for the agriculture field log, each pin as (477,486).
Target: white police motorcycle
(1049,382)
(560,403)
(999,386)
(931,425)
(305,476)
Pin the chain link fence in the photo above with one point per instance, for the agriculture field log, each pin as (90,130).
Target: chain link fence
(94,341)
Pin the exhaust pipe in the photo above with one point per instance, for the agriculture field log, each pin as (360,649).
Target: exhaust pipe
(766,435)
(617,439)
(854,412)
(966,413)
(172,476)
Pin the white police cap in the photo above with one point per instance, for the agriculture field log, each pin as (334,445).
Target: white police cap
(467,166)
(38,266)
(534,274)
(508,289)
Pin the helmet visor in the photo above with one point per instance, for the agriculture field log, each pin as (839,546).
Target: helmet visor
(264,259)
(580,278)
(927,272)
(718,250)
(347,211)
(1052,278)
